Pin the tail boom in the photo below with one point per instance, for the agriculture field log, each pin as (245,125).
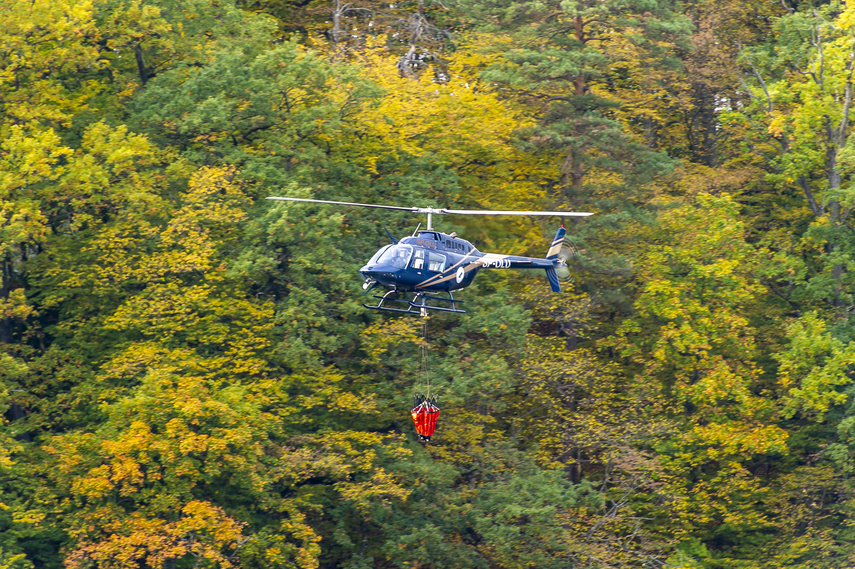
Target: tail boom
(550,263)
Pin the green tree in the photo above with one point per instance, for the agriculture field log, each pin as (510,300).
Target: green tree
(558,61)
(713,80)
(698,368)
(802,95)
(193,438)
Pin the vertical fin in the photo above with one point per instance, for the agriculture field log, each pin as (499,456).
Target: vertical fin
(552,255)
(555,248)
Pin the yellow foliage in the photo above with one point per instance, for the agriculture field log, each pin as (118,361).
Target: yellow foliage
(464,437)
(46,35)
(458,122)
(733,439)
(201,530)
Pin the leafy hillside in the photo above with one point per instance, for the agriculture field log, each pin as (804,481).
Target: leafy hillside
(187,375)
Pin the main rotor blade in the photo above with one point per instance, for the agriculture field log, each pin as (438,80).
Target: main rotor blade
(414,209)
(490,212)
(431,210)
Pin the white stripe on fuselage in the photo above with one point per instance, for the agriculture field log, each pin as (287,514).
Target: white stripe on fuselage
(451,272)
(489,260)
(554,248)
(495,261)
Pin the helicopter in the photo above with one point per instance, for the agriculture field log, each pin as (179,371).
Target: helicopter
(420,271)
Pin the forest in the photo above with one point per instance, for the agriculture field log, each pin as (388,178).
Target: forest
(188,378)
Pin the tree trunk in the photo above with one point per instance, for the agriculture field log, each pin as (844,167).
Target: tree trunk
(335,33)
(5,289)
(138,54)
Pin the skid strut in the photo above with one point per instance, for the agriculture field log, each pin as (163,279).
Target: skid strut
(420,303)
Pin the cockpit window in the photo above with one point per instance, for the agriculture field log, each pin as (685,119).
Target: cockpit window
(376,256)
(397,256)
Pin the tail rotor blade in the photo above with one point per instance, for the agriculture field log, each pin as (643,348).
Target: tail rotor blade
(567,253)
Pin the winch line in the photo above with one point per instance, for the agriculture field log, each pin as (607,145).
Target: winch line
(425,354)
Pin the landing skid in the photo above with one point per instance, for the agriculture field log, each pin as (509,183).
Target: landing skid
(419,304)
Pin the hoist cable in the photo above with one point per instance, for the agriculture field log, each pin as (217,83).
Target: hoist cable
(425,354)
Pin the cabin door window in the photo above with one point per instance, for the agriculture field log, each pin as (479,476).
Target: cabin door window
(436,262)
(419,259)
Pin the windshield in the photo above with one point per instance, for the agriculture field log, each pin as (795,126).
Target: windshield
(376,256)
(398,256)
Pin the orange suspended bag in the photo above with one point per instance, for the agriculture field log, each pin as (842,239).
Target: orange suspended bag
(425,415)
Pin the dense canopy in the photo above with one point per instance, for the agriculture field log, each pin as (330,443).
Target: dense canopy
(187,376)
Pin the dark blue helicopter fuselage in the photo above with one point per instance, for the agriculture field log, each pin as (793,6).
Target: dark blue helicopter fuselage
(430,261)
(435,261)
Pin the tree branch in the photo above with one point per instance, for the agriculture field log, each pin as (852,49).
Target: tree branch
(814,207)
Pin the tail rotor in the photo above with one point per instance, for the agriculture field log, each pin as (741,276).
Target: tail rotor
(566,254)
(561,251)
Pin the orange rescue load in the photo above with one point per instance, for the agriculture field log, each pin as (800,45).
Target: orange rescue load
(425,414)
